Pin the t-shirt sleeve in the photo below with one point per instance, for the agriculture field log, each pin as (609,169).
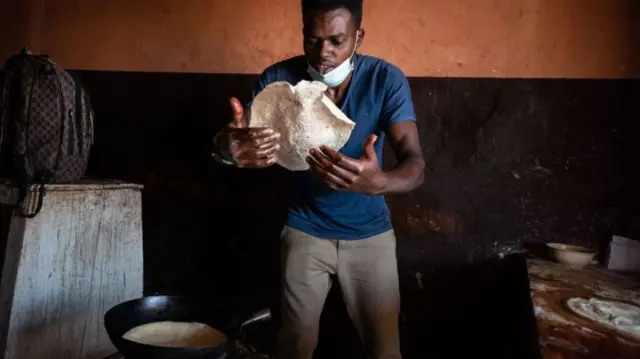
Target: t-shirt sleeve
(398,103)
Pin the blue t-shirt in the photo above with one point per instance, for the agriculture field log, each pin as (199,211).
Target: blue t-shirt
(378,96)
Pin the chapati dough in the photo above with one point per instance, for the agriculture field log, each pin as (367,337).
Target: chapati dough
(305,118)
(176,334)
(618,316)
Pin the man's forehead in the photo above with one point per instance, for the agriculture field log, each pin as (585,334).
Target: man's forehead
(330,23)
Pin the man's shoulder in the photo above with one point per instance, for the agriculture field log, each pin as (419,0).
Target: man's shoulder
(376,63)
(286,67)
(379,67)
(290,70)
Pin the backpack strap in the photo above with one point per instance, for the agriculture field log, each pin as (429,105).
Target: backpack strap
(23,195)
(44,178)
(4,113)
(64,112)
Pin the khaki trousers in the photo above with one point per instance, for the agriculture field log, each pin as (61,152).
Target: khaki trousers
(367,273)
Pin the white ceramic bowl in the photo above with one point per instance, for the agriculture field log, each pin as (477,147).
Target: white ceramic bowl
(574,256)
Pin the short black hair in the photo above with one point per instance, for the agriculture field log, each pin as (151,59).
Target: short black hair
(310,7)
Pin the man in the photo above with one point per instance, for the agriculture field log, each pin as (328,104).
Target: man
(338,222)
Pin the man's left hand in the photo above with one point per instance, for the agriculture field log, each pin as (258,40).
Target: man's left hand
(344,173)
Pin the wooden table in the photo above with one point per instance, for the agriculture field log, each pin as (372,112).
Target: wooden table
(567,336)
(63,269)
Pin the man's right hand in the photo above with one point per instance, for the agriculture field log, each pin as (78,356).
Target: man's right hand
(248,147)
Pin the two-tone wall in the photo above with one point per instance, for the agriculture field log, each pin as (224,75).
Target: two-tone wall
(527,113)
(461,38)
(443,38)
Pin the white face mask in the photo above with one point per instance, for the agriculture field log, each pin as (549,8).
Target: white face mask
(336,76)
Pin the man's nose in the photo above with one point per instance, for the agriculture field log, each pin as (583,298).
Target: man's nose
(326,49)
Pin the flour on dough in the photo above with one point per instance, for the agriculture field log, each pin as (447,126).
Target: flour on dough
(305,118)
(619,316)
(176,334)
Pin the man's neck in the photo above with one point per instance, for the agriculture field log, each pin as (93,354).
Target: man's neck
(337,94)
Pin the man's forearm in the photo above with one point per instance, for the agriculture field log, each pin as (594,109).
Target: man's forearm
(405,177)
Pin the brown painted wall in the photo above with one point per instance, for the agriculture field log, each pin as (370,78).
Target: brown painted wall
(454,38)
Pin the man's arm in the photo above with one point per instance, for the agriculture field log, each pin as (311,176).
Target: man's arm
(364,175)
(399,123)
(237,145)
(408,173)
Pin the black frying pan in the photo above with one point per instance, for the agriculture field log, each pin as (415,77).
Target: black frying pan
(125,316)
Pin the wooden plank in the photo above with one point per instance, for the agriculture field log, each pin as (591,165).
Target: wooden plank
(63,269)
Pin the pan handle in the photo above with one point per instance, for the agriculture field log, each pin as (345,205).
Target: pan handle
(240,342)
(259,316)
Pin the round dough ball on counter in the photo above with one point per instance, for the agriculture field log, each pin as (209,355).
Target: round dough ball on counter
(619,316)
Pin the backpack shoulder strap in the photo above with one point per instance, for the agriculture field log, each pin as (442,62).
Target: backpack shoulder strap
(4,104)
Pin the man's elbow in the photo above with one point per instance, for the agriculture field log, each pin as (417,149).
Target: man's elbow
(417,164)
(420,179)
(420,173)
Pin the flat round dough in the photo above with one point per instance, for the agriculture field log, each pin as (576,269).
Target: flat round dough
(305,118)
(619,316)
(176,334)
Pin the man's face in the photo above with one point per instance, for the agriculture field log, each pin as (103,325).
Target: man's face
(329,39)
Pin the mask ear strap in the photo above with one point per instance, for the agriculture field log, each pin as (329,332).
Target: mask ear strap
(357,43)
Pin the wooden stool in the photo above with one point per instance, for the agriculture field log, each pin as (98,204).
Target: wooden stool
(64,268)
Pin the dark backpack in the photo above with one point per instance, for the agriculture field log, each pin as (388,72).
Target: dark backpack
(46,125)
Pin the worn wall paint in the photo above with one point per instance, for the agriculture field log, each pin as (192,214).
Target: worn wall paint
(461,38)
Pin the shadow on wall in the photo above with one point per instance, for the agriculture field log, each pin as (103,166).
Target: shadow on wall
(631,109)
(634,38)
(493,295)
(509,161)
